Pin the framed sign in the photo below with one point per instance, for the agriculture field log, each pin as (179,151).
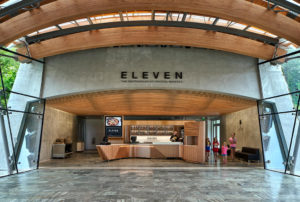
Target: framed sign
(113,126)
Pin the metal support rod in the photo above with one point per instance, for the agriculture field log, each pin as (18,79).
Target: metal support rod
(19,54)
(58,27)
(169,23)
(296,149)
(41,135)
(5,144)
(245,29)
(215,21)
(90,21)
(261,137)
(167,16)
(121,16)
(287,167)
(267,98)
(277,58)
(76,23)
(153,15)
(184,17)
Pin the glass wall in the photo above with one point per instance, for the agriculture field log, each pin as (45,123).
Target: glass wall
(21,114)
(279,113)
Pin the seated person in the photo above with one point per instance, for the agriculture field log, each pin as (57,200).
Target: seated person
(174,137)
(105,141)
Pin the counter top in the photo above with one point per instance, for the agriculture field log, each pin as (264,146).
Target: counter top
(146,144)
(167,143)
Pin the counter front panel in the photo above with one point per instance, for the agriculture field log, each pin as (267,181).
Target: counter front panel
(118,151)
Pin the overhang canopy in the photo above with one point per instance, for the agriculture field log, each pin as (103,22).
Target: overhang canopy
(150,102)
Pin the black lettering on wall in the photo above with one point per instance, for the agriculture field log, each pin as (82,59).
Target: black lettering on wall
(156,74)
(145,75)
(123,75)
(167,75)
(133,76)
(178,75)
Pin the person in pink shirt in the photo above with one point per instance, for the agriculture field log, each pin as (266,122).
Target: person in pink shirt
(232,141)
(224,152)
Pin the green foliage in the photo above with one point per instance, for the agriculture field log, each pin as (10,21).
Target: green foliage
(291,71)
(9,68)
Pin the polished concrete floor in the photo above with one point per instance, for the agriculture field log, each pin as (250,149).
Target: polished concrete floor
(85,177)
(92,160)
(205,184)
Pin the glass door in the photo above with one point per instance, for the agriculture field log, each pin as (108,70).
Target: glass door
(216,130)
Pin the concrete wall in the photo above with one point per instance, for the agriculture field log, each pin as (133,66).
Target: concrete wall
(247,134)
(57,124)
(100,69)
(28,81)
(94,132)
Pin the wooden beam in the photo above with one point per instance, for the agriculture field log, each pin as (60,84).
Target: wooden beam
(234,10)
(7,17)
(151,36)
(278,8)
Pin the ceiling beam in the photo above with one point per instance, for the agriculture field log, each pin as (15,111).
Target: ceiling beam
(152,36)
(233,10)
(15,8)
(210,27)
(286,4)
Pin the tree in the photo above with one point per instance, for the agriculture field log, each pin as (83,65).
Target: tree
(9,69)
(291,71)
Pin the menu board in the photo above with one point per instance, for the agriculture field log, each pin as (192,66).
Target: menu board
(113,126)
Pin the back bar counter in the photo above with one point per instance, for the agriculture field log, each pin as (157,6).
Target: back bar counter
(192,150)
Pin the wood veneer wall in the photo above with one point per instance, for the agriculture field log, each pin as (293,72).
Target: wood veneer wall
(194,153)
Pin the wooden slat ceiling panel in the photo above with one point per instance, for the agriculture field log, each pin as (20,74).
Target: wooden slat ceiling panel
(150,102)
(67,10)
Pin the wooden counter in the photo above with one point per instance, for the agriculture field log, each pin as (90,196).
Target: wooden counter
(193,149)
(118,151)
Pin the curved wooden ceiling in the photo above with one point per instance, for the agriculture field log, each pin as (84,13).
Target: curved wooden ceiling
(66,10)
(150,102)
(152,36)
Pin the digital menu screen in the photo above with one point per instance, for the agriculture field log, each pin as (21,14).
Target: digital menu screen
(113,121)
(113,126)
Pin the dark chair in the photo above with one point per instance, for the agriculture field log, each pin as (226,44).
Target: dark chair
(248,154)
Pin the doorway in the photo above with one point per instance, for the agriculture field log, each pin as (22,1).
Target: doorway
(213,129)
(93,132)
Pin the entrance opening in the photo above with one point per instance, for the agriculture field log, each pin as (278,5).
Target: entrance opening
(148,128)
